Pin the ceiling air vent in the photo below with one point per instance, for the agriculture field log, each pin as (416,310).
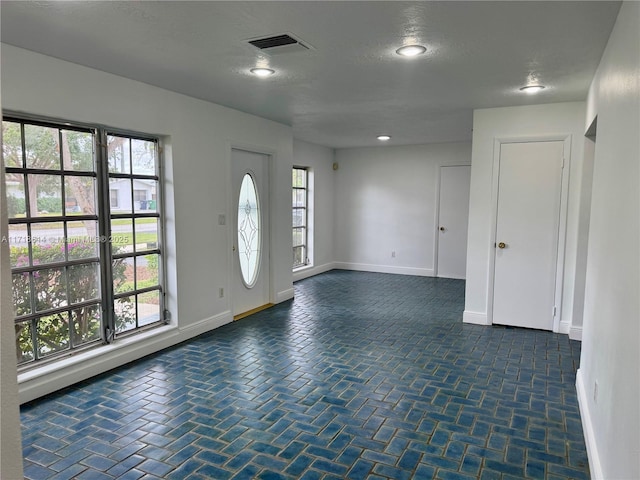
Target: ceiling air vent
(276,44)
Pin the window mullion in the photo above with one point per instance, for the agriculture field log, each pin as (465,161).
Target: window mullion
(104,230)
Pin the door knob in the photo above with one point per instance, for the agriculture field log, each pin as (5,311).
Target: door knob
(442,229)
(502,245)
(234,248)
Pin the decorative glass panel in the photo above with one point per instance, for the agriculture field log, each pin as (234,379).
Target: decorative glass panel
(249,230)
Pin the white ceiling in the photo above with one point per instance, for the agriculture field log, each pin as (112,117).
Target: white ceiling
(352,86)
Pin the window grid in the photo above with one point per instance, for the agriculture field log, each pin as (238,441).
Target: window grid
(300,216)
(60,242)
(133,167)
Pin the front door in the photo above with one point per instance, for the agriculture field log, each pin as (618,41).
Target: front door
(250,186)
(528,220)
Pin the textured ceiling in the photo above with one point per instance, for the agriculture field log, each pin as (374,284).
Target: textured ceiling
(351,86)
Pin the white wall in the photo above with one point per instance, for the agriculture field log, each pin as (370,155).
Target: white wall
(610,351)
(199,136)
(386,202)
(319,160)
(512,122)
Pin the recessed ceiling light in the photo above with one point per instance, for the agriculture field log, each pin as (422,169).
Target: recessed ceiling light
(262,72)
(384,138)
(532,89)
(411,50)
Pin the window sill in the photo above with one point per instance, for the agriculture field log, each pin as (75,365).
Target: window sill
(303,268)
(75,360)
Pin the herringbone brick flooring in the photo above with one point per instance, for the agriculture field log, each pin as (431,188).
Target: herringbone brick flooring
(363,375)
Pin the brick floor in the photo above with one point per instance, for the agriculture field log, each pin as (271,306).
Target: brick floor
(363,375)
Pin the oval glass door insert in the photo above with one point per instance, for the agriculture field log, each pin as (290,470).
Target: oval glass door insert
(249,230)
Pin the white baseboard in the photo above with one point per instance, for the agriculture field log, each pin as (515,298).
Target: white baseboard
(476,318)
(564,327)
(50,378)
(307,272)
(284,295)
(206,325)
(453,277)
(365,267)
(575,333)
(587,428)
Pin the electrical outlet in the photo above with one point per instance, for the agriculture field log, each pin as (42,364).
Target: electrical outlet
(221,292)
(393,254)
(595,391)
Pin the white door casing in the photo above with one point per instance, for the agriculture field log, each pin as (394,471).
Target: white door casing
(527,233)
(453,221)
(250,288)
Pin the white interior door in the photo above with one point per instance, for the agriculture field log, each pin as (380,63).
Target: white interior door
(250,186)
(528,218)
(453,218)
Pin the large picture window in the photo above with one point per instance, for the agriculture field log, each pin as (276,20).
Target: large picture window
(81,273)
(300,209)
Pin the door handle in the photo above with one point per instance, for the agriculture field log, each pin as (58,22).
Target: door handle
(502,245)
(234,248)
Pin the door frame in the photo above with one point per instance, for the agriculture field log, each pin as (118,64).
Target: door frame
(230,215)
(562,229)
(436,227)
